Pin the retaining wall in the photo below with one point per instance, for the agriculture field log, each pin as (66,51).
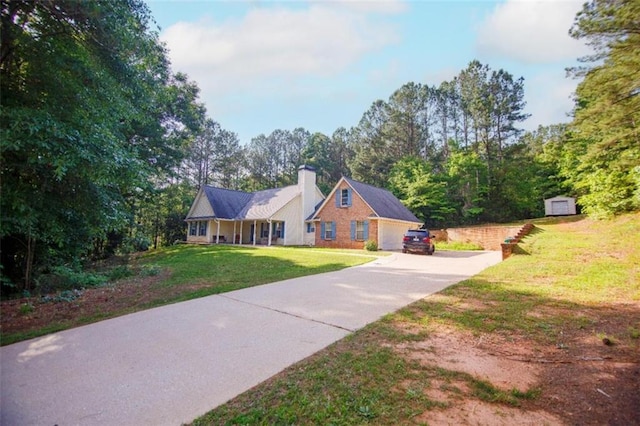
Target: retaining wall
(487,237)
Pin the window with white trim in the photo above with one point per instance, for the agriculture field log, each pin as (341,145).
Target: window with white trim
(328,231)
(360,230)
(344,197)
(202,226)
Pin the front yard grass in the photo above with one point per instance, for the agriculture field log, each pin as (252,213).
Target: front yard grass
(221,268)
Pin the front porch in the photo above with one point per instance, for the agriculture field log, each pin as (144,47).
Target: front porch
(248,232)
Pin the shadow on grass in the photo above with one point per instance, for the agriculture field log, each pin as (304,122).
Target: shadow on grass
(566,335)
(519,249)
(221,268)
(481,306)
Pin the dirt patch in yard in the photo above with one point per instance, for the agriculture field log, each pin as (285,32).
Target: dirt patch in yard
(583,382)
(58,311)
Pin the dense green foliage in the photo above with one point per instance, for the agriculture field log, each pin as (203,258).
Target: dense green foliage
(91,117)
(602,154)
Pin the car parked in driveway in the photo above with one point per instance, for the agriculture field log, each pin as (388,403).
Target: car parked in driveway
(418,241)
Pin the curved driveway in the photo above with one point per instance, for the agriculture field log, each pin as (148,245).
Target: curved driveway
(169,365)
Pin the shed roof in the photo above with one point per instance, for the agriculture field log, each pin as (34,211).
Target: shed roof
(559,197)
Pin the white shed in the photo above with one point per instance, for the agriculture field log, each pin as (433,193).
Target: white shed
(559,206)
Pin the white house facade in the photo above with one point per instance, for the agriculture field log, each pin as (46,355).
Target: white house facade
(270,217)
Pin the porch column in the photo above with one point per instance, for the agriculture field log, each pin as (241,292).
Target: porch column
(270,230)
(218,232)
(241,223)
(255,226)
(234,232)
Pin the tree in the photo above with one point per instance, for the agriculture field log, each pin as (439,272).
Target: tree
(602,158)
(413,182)
(492,103)
(273,161)
(448,114)
(229,165)
(317,155)
(373,157)
(90,117)
(467,177)
(410,119)
(201,153)
(340,154)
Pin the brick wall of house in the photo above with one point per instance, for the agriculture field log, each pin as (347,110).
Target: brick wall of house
(343,216)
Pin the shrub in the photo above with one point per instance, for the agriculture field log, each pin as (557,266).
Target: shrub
(63,296)
(134,244)
(371,245)
(119,272)
(150,270)
(65,278)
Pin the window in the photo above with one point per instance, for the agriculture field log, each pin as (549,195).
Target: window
(360,231)
(328,230)
(278,229)
(344,197)
(203,228)
(310,228)
(193,229)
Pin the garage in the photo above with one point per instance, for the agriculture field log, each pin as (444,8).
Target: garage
(391,233)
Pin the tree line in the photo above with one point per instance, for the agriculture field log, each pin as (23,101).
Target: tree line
(104,147)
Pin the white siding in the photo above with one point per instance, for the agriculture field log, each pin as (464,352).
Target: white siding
(202,207)
(290,214)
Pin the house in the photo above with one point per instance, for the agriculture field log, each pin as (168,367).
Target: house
(269,217)
(559,206)
(355,212)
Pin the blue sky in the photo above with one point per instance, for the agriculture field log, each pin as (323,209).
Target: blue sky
(265,65)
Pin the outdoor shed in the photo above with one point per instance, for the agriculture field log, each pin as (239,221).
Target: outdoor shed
(559,206)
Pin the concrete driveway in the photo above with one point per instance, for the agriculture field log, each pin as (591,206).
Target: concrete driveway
(169,365)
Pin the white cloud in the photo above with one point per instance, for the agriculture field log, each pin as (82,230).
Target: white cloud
(372,6)
(439,76)
(270,45)
(531,31)
(549,97)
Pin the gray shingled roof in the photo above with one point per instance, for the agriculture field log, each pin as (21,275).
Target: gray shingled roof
(383,202)
(226,203)
(236,205)
(265,204)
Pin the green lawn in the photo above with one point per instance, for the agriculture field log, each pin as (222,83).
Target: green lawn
(221,268)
